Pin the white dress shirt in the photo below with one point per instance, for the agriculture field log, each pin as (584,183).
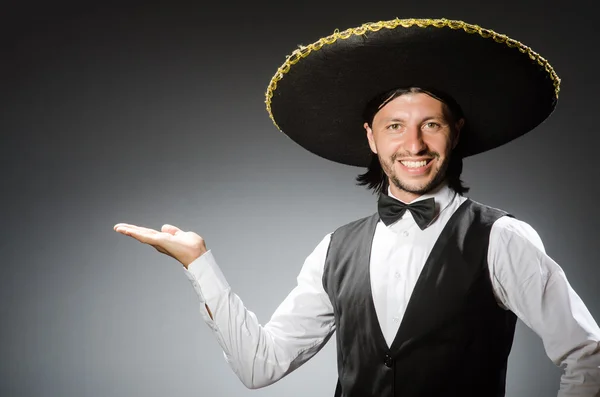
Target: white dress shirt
(525,280)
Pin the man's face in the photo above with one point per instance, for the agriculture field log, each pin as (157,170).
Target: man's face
(412,135)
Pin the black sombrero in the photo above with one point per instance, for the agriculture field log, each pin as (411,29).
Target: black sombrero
(318,95)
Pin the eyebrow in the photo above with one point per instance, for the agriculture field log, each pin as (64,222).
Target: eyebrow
(398,119)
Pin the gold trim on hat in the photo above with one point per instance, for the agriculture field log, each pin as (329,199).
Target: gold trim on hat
(304,51)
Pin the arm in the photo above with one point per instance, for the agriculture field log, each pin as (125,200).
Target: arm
(259,355)
(530,284)
(299,328)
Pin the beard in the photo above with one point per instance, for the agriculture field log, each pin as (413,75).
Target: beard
(439,174)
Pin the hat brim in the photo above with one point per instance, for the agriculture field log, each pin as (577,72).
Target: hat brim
(317,97)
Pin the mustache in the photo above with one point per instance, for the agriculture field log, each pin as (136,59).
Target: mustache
(402,155)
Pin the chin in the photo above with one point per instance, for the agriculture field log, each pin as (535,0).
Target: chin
(414,186)
(411,187)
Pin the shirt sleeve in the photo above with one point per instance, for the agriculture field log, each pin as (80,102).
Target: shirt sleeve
(533,286)
(298,329)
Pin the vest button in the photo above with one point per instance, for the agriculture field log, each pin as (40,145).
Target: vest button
(388,361)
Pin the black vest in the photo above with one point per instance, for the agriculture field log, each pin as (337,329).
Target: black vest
(454,339)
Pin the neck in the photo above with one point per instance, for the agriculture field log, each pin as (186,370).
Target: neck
(403,195)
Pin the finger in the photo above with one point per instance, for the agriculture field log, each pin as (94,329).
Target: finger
(170,229)
(120,227)
(135,227)
(143,235)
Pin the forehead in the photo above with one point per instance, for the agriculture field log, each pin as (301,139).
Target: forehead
(412,103)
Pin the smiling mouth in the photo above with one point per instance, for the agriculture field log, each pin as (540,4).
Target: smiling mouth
(415,164)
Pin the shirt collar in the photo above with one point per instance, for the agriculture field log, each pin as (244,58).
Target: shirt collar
(442,195)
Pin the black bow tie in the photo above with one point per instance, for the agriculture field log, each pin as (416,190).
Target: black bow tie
(390,210)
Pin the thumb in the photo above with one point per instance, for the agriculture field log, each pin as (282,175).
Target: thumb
(170,229)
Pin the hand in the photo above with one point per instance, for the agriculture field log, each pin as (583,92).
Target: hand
(183,246)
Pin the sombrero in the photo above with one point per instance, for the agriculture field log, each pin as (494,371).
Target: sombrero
(317,96)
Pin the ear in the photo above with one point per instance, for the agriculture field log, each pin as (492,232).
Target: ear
(370,138)
(458,127)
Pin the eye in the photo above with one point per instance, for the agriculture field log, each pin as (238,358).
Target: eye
(432,125)
(394,127)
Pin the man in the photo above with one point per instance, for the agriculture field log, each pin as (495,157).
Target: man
(424,297)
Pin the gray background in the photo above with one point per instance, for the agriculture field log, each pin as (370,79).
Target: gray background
(155,115)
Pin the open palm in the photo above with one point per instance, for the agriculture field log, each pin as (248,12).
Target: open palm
(185,247)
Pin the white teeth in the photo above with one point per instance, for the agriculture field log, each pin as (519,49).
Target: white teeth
(414,164)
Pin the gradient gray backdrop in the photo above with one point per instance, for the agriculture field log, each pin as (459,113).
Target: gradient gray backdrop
(156,115)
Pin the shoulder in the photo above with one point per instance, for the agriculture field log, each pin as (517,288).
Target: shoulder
(356,224)
(483,212)
(508,231)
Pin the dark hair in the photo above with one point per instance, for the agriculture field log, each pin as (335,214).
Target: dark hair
(375,178)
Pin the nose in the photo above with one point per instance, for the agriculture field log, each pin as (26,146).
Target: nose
(413,140)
